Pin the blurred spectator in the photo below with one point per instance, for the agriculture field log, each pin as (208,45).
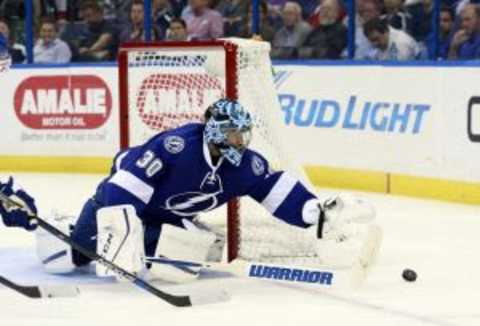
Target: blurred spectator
(49,48)
(97,41)
(233,12)
(212,4)
(116,10)
(465,43)
(293,33)
(315,17)
(177,6)
(391,43)
(460,4)
(17,51)
(327,40)
(396,16)
(67,11)
(367,9)
(422,14)
(447,18)
(57,9)
(11,8)
(266,29)
(275,13)
(61,8)
(308,7)
(162,16)
(177,30)
(40,7)
(203,23)
(16,8)
(134,31)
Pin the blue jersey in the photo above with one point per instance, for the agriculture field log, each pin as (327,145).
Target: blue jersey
(171,177)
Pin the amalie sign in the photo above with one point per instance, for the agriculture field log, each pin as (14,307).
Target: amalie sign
(63,102)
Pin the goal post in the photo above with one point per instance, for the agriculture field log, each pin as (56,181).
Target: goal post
(164,85)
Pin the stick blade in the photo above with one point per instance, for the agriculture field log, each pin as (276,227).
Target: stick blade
(58,291)
(209,297)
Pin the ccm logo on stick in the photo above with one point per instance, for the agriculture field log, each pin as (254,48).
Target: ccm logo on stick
(63,102)
(473,119)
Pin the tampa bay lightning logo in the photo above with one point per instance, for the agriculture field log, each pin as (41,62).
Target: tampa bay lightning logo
(191,203)
(174,144)
(194,202)
(258,167)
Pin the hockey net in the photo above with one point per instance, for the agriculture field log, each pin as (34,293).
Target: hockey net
(165,85)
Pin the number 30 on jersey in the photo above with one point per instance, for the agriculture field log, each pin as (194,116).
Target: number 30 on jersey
(150,163)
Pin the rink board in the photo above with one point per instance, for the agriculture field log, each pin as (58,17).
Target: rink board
(412,130)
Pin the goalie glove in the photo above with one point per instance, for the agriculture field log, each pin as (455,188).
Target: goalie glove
(343,230)
(336,213)
(13,215)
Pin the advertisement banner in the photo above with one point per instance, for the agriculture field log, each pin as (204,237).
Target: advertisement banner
(60,112)
(384,121)
(404,120)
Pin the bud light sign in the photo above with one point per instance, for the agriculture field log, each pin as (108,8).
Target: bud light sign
(355,114)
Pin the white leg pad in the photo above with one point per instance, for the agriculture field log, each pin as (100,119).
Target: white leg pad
(54,254)
(120,238)
(180,244)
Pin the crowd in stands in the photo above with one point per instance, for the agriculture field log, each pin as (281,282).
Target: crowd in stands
(91,30)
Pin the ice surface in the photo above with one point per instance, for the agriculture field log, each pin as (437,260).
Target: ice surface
(439,240)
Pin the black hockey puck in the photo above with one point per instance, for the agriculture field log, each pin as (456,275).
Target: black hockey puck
(409,275)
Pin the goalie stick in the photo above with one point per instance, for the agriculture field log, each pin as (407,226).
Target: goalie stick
(257,270)
(175,300)
(41,291)
(322,276)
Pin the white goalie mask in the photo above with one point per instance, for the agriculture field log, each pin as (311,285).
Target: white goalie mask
(229,127)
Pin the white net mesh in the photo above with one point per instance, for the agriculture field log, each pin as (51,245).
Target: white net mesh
(170,86)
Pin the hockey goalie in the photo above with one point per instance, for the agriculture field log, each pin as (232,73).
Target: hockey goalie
(149,203)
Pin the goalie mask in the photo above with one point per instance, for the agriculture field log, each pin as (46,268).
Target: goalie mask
(229,127)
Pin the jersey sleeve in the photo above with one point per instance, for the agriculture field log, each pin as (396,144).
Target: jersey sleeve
(134,176)
(281,194)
